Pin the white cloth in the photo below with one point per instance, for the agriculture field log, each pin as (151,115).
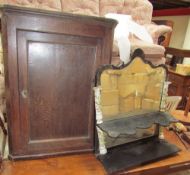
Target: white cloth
(125,26)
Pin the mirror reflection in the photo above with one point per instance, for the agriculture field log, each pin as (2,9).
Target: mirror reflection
(135,89)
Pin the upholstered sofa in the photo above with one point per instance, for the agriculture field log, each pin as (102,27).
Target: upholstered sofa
(140,10)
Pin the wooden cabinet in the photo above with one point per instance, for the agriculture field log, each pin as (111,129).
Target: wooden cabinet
(179,86)
(50,62)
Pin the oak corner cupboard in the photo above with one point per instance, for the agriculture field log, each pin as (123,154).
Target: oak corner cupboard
(50,63)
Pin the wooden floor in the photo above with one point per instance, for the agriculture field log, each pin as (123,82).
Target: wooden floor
(87,164)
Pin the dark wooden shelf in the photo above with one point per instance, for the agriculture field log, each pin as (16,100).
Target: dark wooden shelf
(129,125)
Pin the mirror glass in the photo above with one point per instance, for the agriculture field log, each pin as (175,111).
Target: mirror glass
(134,89)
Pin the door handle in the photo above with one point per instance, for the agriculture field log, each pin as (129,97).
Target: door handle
(24,93)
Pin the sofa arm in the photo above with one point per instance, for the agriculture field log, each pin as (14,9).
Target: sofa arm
(157,30)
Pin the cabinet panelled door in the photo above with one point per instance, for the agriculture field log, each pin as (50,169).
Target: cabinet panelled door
(50,61)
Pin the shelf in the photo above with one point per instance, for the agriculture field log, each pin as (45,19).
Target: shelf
(129,125)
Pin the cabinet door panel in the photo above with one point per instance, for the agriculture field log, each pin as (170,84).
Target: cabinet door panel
(50,63)
(56,74)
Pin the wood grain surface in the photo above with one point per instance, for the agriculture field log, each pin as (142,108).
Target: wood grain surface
(50,64)
(87,164)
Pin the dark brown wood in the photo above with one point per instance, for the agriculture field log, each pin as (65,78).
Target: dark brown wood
(177,55)
(178,52)
(179,86)
(172,4)
(187,106)
(171,12)
(50,64)
(87,164)
(170,8)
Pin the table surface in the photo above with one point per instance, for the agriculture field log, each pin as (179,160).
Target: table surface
(87,164)
(180,161)
(173,71)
